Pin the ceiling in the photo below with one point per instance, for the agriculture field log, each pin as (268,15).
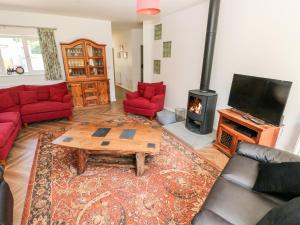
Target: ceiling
(115,10)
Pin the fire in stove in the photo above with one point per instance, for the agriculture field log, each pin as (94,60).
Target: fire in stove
(195,105)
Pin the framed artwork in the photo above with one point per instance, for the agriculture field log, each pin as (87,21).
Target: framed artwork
(167,49)
(157,31)
(156,67)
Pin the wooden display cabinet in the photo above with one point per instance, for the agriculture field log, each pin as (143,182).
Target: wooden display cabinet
(234,128)
(86,72)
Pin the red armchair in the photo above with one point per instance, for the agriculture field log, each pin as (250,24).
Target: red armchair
(147,100)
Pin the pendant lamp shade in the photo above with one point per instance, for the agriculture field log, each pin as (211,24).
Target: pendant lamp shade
(148,7)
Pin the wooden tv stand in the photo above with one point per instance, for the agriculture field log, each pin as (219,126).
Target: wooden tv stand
(234,128)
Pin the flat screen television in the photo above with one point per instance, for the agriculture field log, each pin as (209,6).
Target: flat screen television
(262,98)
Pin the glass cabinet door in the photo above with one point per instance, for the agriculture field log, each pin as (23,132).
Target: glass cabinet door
(76,60)
(95,60)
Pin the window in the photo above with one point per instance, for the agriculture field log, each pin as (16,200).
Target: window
(157,31)
(21,51)
(167,49)
(156,66)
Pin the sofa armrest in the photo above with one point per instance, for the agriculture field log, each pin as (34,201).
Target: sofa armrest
(132,95)
(67,98)
(265,154)
(159,100)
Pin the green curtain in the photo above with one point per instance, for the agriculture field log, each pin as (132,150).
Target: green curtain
(50,55)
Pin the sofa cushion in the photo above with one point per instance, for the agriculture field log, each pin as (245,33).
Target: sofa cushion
(285,214)
(28,97)
(236,204)
(6,129)
(140,102)
(57,94)
(149,92)
(42,107)
(42,91)
(242,171)
(14,92)
(15,108)
(6,101)
(13,117)
(206,217)
(281,178)
(61,86)
(142,86)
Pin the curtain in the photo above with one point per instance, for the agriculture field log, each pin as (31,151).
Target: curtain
(50,55)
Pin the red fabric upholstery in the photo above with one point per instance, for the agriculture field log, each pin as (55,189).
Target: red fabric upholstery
(132,95)
(42,91)
(6,101)
(13,117)
(46,116)
(28,97)
(42,107)
(57,94)
(149,92)
(67,98)
(6,129)
(4,150)
(14,92)
(137,104)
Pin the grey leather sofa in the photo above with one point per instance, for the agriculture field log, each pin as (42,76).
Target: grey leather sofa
(231,200)
(6,201)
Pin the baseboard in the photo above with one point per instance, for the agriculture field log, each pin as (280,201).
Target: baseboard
(121,86)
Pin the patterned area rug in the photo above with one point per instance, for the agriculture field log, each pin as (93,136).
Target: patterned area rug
(171,192)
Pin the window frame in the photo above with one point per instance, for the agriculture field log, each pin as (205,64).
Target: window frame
(25,39)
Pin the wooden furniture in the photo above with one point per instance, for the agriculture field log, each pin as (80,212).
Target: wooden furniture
(234,128)
(86,72)
(128,139)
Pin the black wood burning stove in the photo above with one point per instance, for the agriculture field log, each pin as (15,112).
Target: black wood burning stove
(201,104)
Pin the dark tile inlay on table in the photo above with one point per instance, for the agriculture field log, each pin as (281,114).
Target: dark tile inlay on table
(101,132)
(105,143)
(67,139)
(128,134)
(150,145)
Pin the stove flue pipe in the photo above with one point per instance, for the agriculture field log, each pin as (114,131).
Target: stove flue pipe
(211,32)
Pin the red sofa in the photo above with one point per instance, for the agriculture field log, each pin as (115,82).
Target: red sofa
(147,100)
(27,104)
(10,124)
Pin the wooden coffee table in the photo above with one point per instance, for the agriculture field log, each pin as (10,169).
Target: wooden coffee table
(127,139)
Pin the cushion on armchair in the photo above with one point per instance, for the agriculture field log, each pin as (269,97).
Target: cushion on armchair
(149,92)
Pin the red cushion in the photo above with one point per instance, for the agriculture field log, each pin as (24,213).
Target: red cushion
(140,102)
(6,101)
(14,92)
(61,86)
(6,129)
(43,107)
(13,117)
(42,91)
(158,86)
(57,94)
(28,97)
(15,108)
(149,92)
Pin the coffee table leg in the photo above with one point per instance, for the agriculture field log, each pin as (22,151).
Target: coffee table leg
(140,164)
(81,157)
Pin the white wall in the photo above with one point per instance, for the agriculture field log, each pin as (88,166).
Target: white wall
(148,37)
(255,37)
(68,29)
(128,70)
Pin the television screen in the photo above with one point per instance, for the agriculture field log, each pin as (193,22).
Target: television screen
(261,97)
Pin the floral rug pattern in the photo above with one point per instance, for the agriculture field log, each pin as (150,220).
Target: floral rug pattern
(170,192)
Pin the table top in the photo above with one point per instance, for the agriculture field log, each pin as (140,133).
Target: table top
(122,139)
